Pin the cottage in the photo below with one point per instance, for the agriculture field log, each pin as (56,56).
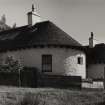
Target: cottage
(41,44)
(95,55)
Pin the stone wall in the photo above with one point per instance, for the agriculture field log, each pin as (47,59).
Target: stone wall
(94,84)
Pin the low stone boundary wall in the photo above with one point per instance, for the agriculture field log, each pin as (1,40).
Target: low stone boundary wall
(94,84)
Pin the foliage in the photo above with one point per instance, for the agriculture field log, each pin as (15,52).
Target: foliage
(11,65)
(14,25)
(3,25)
(3,19)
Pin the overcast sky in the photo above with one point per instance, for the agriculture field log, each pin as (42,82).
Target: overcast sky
(76,17)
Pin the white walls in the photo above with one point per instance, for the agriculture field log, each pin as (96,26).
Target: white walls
(64,60)
(33,18)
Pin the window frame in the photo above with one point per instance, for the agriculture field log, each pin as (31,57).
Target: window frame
(46,62)
(80,60)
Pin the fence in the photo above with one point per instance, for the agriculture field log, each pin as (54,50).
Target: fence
(30,78)
(8,78)
(24,78)
(58,81)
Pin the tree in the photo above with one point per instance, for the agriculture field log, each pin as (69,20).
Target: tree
(3,19)
(11,65)
(14,25)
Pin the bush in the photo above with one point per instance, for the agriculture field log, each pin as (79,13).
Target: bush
(11,65)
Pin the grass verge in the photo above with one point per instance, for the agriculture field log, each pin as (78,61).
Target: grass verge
(50,96)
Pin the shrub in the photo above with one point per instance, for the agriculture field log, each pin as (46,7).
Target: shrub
(11,65)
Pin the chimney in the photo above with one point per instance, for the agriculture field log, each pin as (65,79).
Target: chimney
(33,17)
(91,40)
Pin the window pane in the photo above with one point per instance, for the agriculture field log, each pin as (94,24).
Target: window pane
(46,63)
(46,68)
(47,59)
(80,60)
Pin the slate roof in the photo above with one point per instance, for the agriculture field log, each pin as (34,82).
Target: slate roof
(95,55)
(41,34)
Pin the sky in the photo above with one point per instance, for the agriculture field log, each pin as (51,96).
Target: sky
(76,17)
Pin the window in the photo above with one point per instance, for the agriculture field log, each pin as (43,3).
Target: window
(46,63)
(80,60)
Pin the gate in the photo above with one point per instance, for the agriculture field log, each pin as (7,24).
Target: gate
(28,77)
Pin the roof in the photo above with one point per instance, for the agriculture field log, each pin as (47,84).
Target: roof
(95,55)
(41,34)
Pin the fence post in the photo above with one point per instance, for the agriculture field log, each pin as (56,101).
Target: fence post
(19,79)
(104,78)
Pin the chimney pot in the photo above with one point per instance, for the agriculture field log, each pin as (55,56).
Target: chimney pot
(91,41)
(92,34)
(33,17)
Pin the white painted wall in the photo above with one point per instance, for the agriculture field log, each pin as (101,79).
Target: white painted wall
(96,71)
(64,61)
(33,18)
(94,84)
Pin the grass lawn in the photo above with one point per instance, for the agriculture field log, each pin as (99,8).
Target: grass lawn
(49,96)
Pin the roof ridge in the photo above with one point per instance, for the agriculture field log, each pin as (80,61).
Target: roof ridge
(12,29)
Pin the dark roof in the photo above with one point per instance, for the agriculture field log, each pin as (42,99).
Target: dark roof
(41,34)
(95,55)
